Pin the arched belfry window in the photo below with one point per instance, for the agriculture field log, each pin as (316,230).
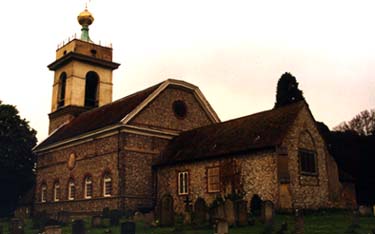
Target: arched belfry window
(91,89)
(62,87)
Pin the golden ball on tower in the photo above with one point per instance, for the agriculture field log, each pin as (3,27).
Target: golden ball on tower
(85,18)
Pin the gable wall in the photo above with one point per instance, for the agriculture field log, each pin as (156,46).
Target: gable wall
(258,170)
(159,113)
(309,191)
(93,157)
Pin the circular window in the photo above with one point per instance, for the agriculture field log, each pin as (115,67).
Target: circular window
(179,109)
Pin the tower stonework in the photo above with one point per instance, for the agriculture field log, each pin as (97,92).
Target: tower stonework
(82,76)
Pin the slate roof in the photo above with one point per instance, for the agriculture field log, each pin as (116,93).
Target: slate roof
(254,132)
(100,117)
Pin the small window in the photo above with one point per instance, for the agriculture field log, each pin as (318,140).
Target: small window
(307,160)
(56,191)
(88,187)
(107,185)
(62,88)
(179,109)
(71,190)
(93,52)
(213,179)
(92,89)
(183,182)
(43,193)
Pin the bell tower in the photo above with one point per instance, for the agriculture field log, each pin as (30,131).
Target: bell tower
(82,76)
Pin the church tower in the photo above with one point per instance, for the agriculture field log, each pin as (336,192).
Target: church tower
(82,76)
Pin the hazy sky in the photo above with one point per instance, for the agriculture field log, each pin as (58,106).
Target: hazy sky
(235,51)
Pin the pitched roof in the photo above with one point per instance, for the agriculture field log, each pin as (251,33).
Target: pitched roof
(100,117)
(258,131)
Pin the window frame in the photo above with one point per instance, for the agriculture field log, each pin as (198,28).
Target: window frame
(184,190)
(303,160)
(88,182)
(107,179)
(71,184)
(209,183)
(43,193)
(56,191)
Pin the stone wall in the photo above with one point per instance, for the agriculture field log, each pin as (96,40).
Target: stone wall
(91,158)
(159,113)
(258,171)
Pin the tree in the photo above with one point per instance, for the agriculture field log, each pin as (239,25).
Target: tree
(363,124)
(17,161)
(287,90)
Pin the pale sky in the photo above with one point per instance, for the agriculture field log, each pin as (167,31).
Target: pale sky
(234,51)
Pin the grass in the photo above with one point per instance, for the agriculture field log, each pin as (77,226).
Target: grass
(327,223)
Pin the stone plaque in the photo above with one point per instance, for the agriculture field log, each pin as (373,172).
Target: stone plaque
(71,161)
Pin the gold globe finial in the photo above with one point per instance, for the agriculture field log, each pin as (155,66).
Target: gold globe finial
(85,18)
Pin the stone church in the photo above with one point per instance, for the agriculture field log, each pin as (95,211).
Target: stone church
(166,141)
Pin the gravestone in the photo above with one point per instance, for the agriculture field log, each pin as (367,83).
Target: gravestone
(16,226)
(96,221)
(200,212)
(221,227)
(78,227)
(241,213)
(267,212)
(166,211)
(364,211)
(299,226)
(55,229)
(128,228)
(229,212)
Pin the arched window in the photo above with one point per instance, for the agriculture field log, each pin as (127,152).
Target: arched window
(107,185)
(71,189)
(43,193)
(56,191)
(61,94)
(88,187)
(91,89)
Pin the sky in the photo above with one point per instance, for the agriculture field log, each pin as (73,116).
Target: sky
(234,51)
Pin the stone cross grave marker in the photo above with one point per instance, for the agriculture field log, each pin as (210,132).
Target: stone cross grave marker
(200,211)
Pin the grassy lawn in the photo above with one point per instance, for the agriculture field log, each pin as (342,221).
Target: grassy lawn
(330,223)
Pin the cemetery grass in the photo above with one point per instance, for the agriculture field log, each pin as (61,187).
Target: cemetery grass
(330,223)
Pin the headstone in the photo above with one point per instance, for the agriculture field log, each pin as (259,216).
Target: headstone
(55,229)
(16,226)
(229,212)
(267,212)
(128,228)
(166,211)
(241,212)
(200,212)
(96,221)
(364,211)
(299,225)
(221,227)
(78,227)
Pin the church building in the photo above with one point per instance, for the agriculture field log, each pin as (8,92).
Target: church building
(167,142)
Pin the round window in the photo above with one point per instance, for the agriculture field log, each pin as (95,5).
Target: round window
(179,109)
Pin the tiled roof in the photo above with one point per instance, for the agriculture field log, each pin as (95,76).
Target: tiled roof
(258,131)
(100,117)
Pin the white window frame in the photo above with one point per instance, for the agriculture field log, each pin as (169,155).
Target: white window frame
(88,182)
(43,194)
(56,193)
(107,179)
(70,186)
(183,183)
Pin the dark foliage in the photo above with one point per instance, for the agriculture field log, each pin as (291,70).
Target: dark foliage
(354,155)
(105,212)
(39,220)
(17,161)
(363,124)
(287,91)
(114,217)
